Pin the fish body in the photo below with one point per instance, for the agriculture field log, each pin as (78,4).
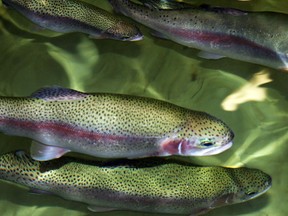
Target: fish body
(148,185)
(256,37)
(75,16)
(110,125)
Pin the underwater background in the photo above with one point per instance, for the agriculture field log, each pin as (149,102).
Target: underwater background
(251,99)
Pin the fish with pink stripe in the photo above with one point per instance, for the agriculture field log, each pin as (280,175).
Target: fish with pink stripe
(256,37)
(61,120)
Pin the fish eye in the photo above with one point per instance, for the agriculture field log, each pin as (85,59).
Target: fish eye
(207,144)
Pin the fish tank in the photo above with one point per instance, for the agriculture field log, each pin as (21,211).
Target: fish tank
(252,99)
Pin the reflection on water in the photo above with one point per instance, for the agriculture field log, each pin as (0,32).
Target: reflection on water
(78,65)
(248,92)
(254,104)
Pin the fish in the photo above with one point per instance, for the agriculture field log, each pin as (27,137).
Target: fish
(148,185)
(67,16)
(255,37)
(60,120)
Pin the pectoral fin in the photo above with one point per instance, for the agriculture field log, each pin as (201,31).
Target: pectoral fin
(100,209)
(41,152)
(208,55)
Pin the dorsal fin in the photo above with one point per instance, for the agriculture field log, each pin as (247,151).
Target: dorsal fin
(57,94)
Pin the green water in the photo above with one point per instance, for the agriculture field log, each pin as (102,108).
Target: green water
(159,69)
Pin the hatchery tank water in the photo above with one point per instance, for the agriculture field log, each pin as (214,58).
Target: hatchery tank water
(251,99)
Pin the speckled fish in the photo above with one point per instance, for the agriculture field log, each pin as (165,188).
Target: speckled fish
(110,125)
(158,186)
(256,37)
(75,16)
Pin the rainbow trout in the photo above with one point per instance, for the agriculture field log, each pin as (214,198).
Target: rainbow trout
(256,37)
(75,16)
(110,125)
(158,186)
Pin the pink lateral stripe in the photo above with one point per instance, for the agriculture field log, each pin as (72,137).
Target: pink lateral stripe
(220,39)
(58,128)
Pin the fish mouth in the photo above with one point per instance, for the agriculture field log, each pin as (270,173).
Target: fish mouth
(269,185)
(239,200)
(219,149)
(211,151)
(264,191)
(136,38)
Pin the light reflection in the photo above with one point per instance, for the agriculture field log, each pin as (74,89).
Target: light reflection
(249,92)
(79,65)
(250,151)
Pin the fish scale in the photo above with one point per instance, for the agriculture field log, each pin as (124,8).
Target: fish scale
(151,185)
(110,125)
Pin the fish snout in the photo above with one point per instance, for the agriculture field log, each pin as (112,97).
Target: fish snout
(219,149)
(136,37)
(252,183)
(124,31)
(230,136)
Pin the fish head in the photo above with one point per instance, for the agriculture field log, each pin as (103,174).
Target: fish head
(205,135)
(123,31)
(251,183)
(236,185)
